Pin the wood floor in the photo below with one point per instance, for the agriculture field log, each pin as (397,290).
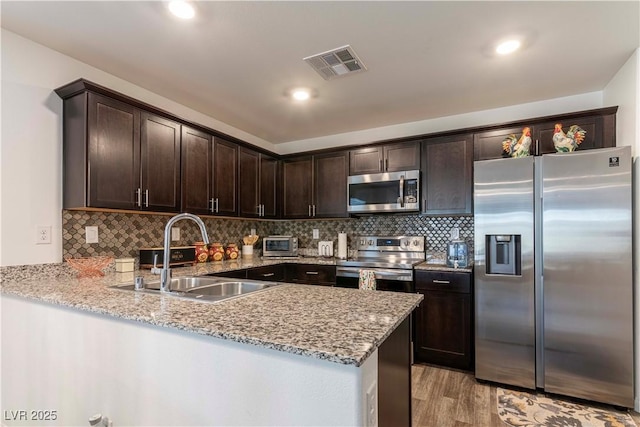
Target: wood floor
(450,398)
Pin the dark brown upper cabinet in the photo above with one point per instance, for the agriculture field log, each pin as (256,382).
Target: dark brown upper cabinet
(600,127)
(160,163)
(600,132)
(330,173)
(315,186)
(209,179)
(224,199)
(385,158)
(447,175)
(297,187)
(488,145)
(258,182)
(196,171)
(116,156)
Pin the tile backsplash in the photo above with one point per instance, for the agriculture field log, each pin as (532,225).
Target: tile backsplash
(122,234)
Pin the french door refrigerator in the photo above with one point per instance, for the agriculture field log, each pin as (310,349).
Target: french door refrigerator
(553,273)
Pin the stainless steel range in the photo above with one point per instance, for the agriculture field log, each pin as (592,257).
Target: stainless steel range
(391,258)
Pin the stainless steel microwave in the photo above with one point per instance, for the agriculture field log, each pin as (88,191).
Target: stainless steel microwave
(384,192)
(275,246)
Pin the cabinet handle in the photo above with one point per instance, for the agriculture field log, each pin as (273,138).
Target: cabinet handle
(537,148)
(309,210)
(441,282)
(381,168)
(146,198)
(211,208)
(424,204)
(258,210)
(386,164)
(314,210)
(138,197)
(261,210)
(312,273)
(217,205)
(268,274)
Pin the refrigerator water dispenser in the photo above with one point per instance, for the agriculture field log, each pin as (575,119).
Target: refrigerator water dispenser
(503,254)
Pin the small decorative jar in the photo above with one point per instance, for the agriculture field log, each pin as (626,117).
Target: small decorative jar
(216,252)
(232,251)
(202,255)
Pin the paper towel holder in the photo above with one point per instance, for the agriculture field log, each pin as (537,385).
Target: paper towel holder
(342,245)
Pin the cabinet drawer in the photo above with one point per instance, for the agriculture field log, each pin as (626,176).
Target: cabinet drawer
(271,273)
(443,281)
(311,274)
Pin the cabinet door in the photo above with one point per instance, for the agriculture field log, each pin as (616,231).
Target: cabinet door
(365,160)
(196,171)
(488,145)
(114,154)
(160,163)
(330,173)
(225,177)
(269,186)
(447,177)
(249,182)
(297,187)
(600,132)
(402,157)
(310,274)
(443,329)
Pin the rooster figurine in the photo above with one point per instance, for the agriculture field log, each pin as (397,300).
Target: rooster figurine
(566,143)
(518,147)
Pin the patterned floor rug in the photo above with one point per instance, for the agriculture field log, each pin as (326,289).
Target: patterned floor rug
(522,409)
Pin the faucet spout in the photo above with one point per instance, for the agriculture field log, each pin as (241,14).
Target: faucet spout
(165,273)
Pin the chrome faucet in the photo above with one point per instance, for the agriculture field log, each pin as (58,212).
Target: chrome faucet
(165,271)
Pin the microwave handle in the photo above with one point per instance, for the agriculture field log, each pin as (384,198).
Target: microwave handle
(402,191)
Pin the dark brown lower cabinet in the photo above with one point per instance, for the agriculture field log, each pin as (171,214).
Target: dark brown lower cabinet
(308,274)
(311,274)
(443,323)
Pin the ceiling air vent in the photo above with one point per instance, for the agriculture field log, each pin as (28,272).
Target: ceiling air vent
(336,62)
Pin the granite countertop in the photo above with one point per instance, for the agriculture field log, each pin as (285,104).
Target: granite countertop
(431,266)
(334,324)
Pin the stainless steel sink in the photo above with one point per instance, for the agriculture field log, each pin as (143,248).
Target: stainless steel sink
(203,288)
(229,288)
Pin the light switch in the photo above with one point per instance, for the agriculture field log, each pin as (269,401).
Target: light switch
(175,234)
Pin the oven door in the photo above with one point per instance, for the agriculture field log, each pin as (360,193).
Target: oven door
(384,192)
(387,279)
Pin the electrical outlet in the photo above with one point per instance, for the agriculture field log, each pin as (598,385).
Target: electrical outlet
(43,235)
(91,234)
(316,233)
(253,232)
(175,234)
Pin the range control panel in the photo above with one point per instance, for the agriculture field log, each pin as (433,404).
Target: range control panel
(391,243)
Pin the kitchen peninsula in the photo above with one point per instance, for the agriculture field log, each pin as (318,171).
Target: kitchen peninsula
(290,355)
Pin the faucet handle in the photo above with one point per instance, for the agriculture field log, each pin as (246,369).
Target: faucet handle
(139,283)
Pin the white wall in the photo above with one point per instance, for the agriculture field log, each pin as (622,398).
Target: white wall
(31,145)
(142,375)
(624,90)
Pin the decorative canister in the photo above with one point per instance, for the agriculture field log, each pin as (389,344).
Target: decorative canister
(216,252)
(201,252)
(232,251)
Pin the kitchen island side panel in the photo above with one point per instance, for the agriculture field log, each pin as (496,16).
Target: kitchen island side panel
(79,364)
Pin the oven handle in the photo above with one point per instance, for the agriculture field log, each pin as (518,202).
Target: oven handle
(402,191)
(380,273)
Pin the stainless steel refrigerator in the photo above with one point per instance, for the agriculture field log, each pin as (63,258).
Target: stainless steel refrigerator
(553,273)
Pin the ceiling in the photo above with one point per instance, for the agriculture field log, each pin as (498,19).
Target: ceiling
(235,60)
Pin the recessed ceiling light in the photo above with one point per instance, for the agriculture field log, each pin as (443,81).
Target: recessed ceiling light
(300,94)
(182,9)
(508,47)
